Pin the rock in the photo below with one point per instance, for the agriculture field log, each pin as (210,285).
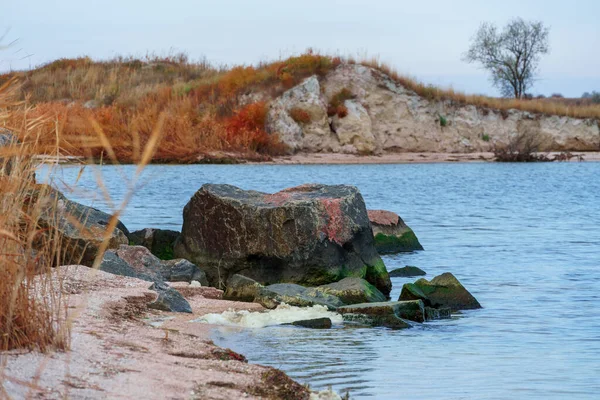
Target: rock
(443,291)
(132,261)
(180,270)
(310,235)
(92,104)
(313,135)
(169,299)
(407,272)
(388,321)
(434,313)
(391,234)
(159,241)
(189,290)
(351,291)
(410,310)
(138,262)
(80,229)
(355,128)
(316,323)
(294,295)
(240,288)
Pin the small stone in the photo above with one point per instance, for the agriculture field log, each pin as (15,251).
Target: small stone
(407,272)
(195,284)
(316,323)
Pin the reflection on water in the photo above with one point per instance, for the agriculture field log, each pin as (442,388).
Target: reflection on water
(524,239)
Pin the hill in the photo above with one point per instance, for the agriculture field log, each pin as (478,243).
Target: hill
(206,111)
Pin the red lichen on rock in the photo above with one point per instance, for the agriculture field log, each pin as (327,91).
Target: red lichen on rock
(335,229)
(382,217)
(278,198)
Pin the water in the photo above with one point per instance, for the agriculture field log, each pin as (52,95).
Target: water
(523,238)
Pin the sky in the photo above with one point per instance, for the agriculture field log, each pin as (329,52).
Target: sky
(423,39)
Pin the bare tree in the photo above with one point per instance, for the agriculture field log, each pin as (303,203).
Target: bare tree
(512,55)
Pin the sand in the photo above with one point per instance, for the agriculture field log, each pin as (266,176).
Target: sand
(122,350)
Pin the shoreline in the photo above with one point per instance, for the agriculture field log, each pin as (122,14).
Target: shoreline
(402,158)
(229,158)
(119,348)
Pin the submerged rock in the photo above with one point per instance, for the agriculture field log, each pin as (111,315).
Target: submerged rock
(410,310)
(316,323)
(79,229)
(294,295)
(443,291)
(310,235)
(391,234)
(351,291)
(407,272)
(390,321)
(434,313)
(241,288)
(159,241)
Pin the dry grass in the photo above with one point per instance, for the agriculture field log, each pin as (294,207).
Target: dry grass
(32,312)
(205,108)
(549,106)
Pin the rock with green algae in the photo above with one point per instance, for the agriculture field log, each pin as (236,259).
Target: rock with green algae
(443,291)
(391,234)
(351,291)
(407,272)
(160,242)
(294,295)
(241,288)
(411,310)
(309,235)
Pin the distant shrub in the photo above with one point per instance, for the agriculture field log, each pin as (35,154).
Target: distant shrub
(342,111)
(485,137)
(336,104)
(299,115)
(557,96)
(443,121)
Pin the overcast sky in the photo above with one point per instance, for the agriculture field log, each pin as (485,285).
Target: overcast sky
(425,39)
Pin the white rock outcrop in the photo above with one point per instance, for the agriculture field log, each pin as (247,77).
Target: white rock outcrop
(385,116)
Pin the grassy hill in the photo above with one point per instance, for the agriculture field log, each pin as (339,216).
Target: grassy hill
(200,108)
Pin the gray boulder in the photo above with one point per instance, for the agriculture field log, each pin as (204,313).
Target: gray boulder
(351,291)
(443,291)
(391,234)
(294,295)
(310,235)
(390,321)
(169,299)
(80,229)
(181,270)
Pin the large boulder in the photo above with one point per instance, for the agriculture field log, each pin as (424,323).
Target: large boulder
(351,291)
(159,241)
(391,234)
(294,295)
(310,235)
(443,291)
(80,229)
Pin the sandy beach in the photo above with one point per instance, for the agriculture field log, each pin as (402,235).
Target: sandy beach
(120,349)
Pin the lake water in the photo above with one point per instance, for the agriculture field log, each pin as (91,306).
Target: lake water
(523,238)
